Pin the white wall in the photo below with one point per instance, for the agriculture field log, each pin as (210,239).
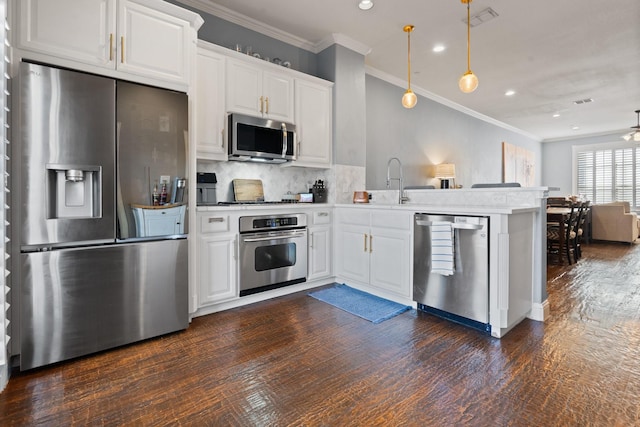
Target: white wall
(557,160)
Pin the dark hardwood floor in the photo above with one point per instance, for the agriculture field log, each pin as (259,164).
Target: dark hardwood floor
(300,362)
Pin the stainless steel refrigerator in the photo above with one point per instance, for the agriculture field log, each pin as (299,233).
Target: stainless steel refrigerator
(100,265)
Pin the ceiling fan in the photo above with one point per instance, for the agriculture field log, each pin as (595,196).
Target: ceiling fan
(635,134)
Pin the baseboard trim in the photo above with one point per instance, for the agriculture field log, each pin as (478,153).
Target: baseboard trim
(539,311)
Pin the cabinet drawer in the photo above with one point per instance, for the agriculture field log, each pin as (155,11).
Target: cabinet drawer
(394,220)
(353,216)
(323,217)
(214,223)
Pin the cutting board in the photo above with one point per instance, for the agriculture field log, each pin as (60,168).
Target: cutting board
(248,190)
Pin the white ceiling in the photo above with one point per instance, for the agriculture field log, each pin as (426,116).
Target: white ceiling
(551,52)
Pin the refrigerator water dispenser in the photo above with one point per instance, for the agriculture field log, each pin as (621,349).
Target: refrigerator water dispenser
(74,191)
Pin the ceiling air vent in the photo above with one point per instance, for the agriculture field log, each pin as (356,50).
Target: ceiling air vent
(583,101)
(481,17)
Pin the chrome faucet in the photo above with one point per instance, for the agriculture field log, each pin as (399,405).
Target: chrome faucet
(400,180)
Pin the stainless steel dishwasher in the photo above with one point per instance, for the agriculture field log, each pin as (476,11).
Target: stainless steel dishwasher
(460,294)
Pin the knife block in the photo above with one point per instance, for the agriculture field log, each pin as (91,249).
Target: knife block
(319,195)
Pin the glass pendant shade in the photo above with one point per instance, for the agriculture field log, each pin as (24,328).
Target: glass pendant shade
(409,99)
(468,82)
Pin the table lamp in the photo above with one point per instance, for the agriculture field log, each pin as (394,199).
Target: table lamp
(445,172)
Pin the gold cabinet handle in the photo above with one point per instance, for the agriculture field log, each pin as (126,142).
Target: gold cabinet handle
(365,243)
(110,46)
(261,104)
(311,240)
(370,243)
(267,102)
(122,49)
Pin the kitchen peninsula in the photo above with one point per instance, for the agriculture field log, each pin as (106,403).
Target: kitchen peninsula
(383,265)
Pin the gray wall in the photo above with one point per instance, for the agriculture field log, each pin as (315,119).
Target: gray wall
(370,125)
(430,134)
(228,34)
(346,69)
(557,161)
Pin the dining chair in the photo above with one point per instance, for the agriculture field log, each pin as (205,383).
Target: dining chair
(580,229)
(561,235)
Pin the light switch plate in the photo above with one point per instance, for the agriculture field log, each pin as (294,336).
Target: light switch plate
(164,179)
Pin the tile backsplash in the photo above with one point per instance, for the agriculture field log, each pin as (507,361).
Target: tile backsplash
(276,179)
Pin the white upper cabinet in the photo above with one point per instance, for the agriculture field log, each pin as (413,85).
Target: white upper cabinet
(152,42)
(257,91)
(209,104)
(149,38)
(313,123)
(79,30)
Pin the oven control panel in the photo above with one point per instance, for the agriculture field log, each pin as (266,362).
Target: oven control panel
(275,222)
(272,222)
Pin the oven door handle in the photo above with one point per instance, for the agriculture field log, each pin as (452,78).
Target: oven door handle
(281,237)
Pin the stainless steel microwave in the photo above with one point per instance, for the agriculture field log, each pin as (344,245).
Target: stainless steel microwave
(260,140)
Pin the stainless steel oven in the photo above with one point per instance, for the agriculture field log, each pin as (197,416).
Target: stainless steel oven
(273,252)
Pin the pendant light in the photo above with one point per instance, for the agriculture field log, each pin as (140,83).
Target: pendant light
(409,99)
(635,135)
(469,81)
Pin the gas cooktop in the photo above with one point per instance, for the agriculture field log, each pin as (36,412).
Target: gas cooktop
(260,202)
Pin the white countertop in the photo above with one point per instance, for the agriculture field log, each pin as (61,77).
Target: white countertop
(270,206)
(477,201)
(413,207)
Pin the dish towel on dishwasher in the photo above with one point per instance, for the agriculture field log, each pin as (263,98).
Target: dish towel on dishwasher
(442,248)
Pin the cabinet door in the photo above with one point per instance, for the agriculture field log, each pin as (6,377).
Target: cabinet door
(352,253)
(209,105)
(390,260)
(319,252)
(152,43)
(216,269)
(244,88)
(277,90)
(83,31)
(313,124)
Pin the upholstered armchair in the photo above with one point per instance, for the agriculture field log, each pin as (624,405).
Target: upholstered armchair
(614,222)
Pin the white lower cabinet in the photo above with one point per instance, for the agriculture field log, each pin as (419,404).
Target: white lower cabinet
(373,249)
(319,250)
(217,261)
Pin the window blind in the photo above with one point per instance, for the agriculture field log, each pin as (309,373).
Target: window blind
(607,175)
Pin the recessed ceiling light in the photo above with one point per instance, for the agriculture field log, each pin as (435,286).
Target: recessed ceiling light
(510,92)
(365,4)
(438,48)
(556,115)
(575,127)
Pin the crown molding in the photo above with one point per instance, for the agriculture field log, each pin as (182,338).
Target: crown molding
(446,102)
(613,133)
(342,40)
(249,23)
(275,33)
